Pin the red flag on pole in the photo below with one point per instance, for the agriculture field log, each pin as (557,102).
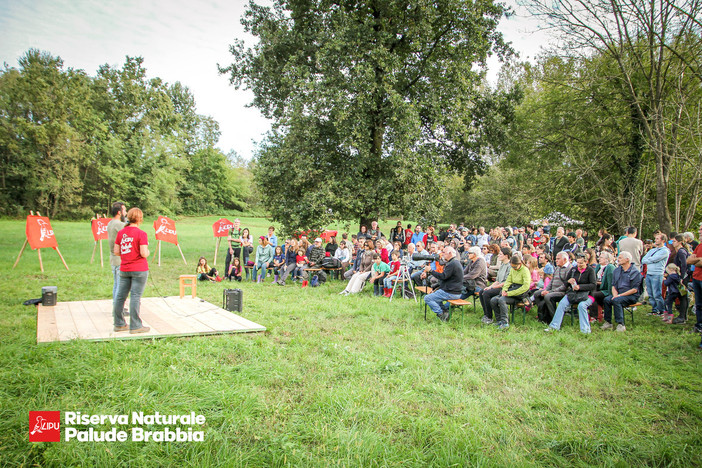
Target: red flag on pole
(39,233)
(99,227)
(221,227)
(166,230)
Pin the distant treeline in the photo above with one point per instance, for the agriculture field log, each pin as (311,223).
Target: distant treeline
(70,144)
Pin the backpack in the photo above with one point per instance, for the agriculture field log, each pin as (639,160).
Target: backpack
(318,279)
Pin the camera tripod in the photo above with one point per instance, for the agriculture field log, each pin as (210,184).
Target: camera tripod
(403,277)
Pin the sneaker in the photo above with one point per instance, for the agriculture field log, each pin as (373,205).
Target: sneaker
(444,317)
(697,329)
(678,321)
(621,328)
(486,320)
(592,319)
(343,293)
(140,330)
(668,318)
(657,314)
(549,330)
(606,326)
(120,329)
(502,326)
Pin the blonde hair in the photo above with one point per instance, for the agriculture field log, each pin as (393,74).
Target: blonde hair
(673,268)
(135,216)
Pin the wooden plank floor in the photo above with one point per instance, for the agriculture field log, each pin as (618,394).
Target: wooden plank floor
(169,316)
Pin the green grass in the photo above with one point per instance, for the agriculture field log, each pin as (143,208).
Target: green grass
(342,381)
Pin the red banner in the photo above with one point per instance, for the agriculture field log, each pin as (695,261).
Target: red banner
(221,227)
(39,233)
(99,227)
(166,230)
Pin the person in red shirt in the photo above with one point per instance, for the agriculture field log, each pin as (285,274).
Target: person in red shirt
(696,260)
(132,245)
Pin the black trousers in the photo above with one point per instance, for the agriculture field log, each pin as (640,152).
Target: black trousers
(547,304)
(485,296)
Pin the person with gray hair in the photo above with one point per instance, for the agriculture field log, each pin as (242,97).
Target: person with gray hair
(547,298)
(475,273)
(690,239)
(451,280)
(626,287)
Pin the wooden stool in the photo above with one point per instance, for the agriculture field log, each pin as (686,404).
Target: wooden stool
(458,303)
(189,281)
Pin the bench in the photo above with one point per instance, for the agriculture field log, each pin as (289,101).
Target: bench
(459,303)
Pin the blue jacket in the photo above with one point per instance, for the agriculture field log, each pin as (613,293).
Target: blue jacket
(623,281)
(418,237)
(290,256)
(656,259)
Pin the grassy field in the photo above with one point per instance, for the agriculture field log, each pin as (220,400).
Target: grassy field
(347,381)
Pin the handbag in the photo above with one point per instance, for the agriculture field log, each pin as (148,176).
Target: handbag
(576,297)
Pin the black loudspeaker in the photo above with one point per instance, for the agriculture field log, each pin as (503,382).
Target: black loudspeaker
(48,295)
(233,300)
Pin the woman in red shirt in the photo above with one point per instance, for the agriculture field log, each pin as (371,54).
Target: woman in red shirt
(132,245)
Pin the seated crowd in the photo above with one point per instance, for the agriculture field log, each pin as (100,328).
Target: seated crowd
(502,267)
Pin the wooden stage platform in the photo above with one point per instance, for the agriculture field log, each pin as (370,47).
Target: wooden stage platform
(169,316)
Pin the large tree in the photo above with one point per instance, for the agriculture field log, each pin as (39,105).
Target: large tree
(373,102)
(653,44)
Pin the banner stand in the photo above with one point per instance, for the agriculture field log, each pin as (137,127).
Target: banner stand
(220,229)
(166,231)
(44,231)
(219,240)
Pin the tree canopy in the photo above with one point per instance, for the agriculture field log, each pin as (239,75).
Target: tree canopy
(71,144)
(374,103)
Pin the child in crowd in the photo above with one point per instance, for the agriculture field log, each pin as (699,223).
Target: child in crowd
(533,264)
(205,273)
(378,272)
(673,284)
(300,263)
(393,274)
(235,270)
(278,261)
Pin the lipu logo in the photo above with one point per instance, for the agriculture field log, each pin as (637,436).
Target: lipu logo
(44,426)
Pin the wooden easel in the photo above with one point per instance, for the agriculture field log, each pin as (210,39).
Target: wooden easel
(219,240)
(159,254)
(41,264)
(102,264)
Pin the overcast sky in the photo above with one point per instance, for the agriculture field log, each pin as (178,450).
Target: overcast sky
(180,40)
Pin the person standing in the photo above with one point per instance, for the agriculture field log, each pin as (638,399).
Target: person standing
(695,260)
(116,224)
(132,245)
(655,261)
(234,250)
(632,245)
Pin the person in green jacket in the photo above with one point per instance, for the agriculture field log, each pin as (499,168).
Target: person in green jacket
(264,255)
(603,272)
(516,285)
(378,272)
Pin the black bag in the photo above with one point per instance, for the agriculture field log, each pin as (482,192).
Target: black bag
(321,277)
(331,262)
(469,286)
(576,297)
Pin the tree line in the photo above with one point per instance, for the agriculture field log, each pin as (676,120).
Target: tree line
(71,144)
(382,108)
